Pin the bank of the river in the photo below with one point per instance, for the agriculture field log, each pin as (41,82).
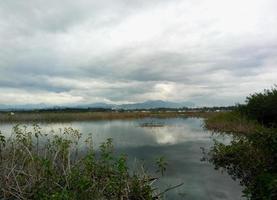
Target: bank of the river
(231,122)
(86,116)
(251,156)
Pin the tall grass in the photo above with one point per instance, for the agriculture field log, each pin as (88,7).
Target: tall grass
(231,122)
(82,116)
(53,166)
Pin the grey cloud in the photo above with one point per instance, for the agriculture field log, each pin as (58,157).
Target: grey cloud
(181,67)
(31,83)
(135,50)
(54,16)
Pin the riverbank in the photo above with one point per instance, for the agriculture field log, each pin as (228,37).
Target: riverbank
(251,155)
(59,116)
(231,122)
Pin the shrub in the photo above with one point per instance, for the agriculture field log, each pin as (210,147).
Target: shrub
(38,166)
(262,107)
(252,160)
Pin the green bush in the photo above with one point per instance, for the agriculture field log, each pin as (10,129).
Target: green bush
(252,160)
(262,107)
(38,166)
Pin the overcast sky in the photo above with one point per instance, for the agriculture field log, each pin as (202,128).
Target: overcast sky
(210,52)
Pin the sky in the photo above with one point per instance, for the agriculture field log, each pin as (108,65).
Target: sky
(210,52)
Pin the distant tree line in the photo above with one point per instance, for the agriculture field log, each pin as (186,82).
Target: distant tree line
(185,109)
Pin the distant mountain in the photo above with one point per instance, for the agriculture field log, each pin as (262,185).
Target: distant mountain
(156,104)
(143,105)
(95,105)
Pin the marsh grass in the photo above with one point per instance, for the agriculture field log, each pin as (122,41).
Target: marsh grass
(231,122)
(34,165)
(60,116)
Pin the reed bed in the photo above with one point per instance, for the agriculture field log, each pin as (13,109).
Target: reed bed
(232,122)
(86,116)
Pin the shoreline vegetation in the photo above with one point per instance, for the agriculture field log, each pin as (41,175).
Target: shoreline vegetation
(55,167)
(251,157)
(233,123)
(60,116)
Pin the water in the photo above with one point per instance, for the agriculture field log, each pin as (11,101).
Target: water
(179,140)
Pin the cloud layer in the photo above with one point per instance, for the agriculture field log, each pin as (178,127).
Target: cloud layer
(211,52)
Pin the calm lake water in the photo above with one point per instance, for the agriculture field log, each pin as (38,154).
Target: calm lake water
(179,140)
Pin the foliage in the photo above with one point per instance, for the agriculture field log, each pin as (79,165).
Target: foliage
(252,157)
(39,166)
(252,160)
(262,107)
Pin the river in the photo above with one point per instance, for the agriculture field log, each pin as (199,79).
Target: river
(179,140)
